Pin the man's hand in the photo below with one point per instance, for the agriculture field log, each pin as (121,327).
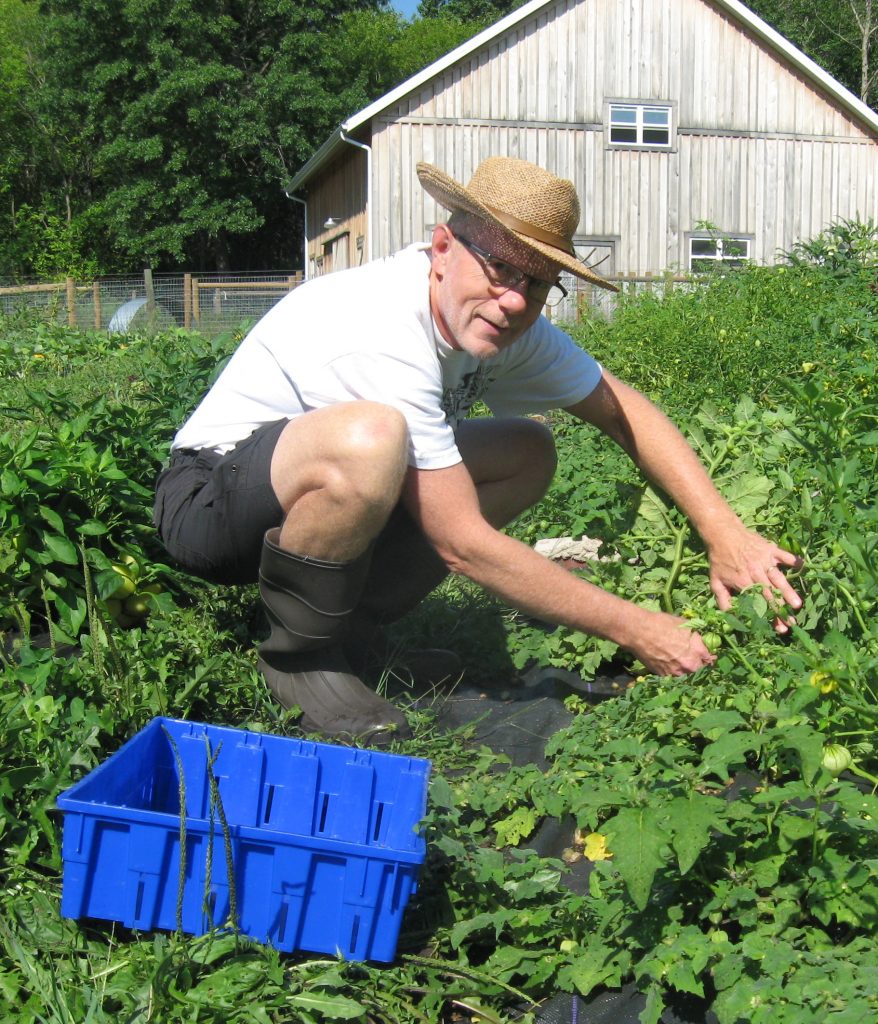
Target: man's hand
(740,558)
(667,647)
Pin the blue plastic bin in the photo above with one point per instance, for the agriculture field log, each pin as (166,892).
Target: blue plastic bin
(323,839)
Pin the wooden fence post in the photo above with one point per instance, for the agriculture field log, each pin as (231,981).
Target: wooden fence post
(187,301)
(96,302)
(196,301)
(71,302)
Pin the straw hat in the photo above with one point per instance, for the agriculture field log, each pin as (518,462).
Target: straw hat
(538,209)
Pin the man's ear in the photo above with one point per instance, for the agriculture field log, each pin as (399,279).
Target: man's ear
(440,245)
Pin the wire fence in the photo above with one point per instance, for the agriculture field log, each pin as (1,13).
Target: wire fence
(210,303)
(213,303)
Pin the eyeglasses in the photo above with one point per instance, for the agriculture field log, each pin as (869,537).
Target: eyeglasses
(501,274)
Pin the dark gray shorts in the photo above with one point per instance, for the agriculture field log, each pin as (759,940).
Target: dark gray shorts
(212,511)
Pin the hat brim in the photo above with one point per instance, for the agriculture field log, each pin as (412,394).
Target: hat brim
(453,196)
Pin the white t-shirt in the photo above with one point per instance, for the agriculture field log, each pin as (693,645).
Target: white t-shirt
(368,333)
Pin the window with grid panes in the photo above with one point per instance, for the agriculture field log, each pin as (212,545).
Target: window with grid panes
(708,253)
(640,124)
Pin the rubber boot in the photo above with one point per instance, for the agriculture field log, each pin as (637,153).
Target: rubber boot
(404,570)
(308,602)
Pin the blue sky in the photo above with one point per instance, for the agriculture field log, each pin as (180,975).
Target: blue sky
(406,7)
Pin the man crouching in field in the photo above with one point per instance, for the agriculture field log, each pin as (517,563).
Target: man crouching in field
(332,460)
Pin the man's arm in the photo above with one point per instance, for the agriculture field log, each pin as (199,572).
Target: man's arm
(738,557)
(445,503)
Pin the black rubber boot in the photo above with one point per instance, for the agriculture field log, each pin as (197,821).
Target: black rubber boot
(308,602)
(404,570)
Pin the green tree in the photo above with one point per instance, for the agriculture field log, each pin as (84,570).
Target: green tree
(376,50)
(25,153)
(183,118)
(840,35)
(482,11)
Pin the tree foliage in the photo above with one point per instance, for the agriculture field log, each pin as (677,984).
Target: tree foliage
(183,118)
(840,35)
(484,11)
(134,132)
(376,50)
(140,133)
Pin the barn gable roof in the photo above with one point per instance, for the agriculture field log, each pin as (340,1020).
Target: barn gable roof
(858,110)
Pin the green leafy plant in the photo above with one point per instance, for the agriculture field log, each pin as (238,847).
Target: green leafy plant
(720,829)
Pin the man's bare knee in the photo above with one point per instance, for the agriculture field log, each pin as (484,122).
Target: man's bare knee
(537,448)
(372,458)
(352,456)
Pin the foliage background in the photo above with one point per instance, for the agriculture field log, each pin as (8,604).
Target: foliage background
(727,852)
(134,133)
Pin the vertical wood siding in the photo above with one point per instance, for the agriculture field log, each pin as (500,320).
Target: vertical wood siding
(759,151)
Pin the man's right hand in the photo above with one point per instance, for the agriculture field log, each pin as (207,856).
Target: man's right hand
(668,647)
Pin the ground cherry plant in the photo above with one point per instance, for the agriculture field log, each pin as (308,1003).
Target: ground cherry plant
(719,833)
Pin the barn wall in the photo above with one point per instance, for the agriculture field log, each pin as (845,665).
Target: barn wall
(758,151)
(340,193)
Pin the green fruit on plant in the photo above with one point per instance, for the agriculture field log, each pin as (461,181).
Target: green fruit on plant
(126,585)
(712,641)
(152,588)
(114,607)
(131,566)
(836,758)
(137,605)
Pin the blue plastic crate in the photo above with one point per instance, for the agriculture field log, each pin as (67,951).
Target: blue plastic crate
(323,839)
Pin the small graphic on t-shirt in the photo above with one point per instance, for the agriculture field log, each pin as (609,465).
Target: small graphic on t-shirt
(460,398)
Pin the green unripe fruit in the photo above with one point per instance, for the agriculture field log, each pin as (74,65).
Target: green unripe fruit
(126,585)
(137,605)
(712,641)
(836,758)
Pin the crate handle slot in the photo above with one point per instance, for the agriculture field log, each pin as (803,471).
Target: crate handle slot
(324,811)
(269,800)
(282,921)
(378,816)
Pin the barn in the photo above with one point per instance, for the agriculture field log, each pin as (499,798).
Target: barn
(696,135)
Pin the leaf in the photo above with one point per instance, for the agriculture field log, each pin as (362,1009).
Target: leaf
(636,839)
(795,827)
(692,820)
(594,965)
(730,749)
(747,494)
(808,744)
(653,510)
(52,518)
(441,794)
(713,724)
(334,1007)
(61,548)
(92,528)
(519,825)
(481,922)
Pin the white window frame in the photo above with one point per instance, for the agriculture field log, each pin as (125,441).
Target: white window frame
(637,120)
(729,250)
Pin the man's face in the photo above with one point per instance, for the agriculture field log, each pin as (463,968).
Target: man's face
(472,314)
